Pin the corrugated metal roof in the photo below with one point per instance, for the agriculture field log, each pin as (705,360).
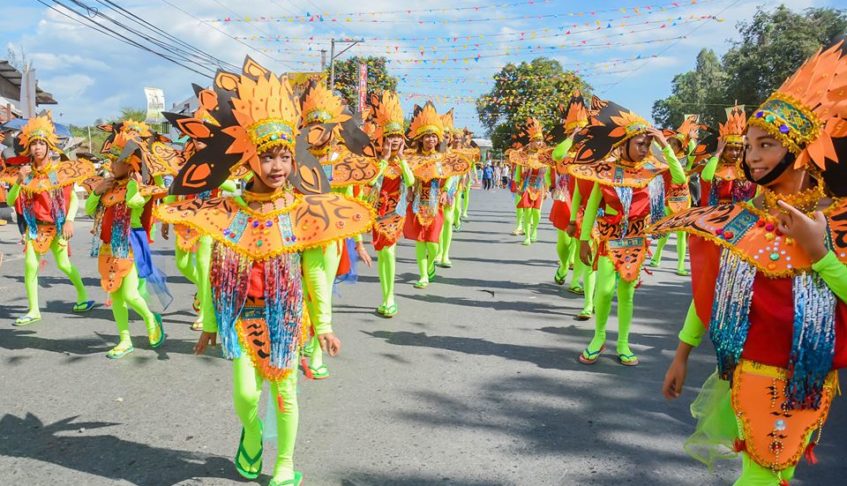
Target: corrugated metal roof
(10,73)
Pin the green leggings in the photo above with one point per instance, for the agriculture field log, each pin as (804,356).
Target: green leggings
(386,268)
(426,252)
(519,214)
(128,296)
(446,233)
(466,200)
(681,250)
(332,258)
(567,247)
(59,248)
(606,279)
(247,393)
(196,269)
(531,218)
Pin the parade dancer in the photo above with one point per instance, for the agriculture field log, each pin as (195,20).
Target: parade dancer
(566,208)
(721,179)
(532,175)
(332,136)
(771,288)
(267,255)
(432,170)
(468,180)
(43,195)
(120,207)
(388,193)
(614,153)
(683,142)
(452,191)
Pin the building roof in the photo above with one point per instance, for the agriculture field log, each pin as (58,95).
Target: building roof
(14,76)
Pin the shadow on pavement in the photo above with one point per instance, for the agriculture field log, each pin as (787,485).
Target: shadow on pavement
(107,456)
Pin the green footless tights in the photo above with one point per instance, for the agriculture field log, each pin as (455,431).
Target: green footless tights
(59,248)
(681,250)
(247,393)
(606,279)
(466,200)
(519,213)
(426,252)
(332,258)
(446,234)
(385,265)
(128,296)
(567,248)
(531,219)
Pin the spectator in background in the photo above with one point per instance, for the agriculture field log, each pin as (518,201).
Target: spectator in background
(505,176)
(496,181)
(487,175)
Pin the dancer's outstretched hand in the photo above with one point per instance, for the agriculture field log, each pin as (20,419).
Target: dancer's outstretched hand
(675,378)
(585,253)
(363,254)
(330,343)
(68,230)
(206,339)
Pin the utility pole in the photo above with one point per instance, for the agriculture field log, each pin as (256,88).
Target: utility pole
(333,55)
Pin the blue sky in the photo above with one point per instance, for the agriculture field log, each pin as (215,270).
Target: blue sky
(628,57)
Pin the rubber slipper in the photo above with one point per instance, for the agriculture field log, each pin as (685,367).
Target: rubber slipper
(559,278)
(390,311)
(583,316)
(627,359)
(298,479)
(589,358)
(26,320)
(84,306)
(257,459)
(116,353)
(421,285)
(319,373)
(161,340)
(576,290)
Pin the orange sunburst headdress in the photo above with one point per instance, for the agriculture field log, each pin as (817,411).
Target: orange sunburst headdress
(38,128)
(807,112)
(388,115)
(426,121)
(610,127)
(577,113)
(534,129)
(732,132)
(683,132)
(255,111)
(320,105)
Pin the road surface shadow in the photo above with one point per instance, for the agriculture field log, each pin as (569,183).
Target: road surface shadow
(62,443)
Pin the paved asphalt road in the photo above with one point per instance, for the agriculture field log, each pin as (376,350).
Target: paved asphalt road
(474,383)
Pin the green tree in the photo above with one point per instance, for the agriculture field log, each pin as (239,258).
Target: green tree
(130,113)
(699,91)
(529,89)
(347,77)
(772,46)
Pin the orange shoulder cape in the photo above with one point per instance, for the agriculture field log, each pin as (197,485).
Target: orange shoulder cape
(753,235)
(307,222)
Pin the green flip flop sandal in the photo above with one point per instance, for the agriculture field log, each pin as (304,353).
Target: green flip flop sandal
(26,320)
(590,357)
(161,339)
(84,306)
(627,359)
(390,311)
(251,461)
(559,278)
(119,352)
(298,479)
(319,373)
